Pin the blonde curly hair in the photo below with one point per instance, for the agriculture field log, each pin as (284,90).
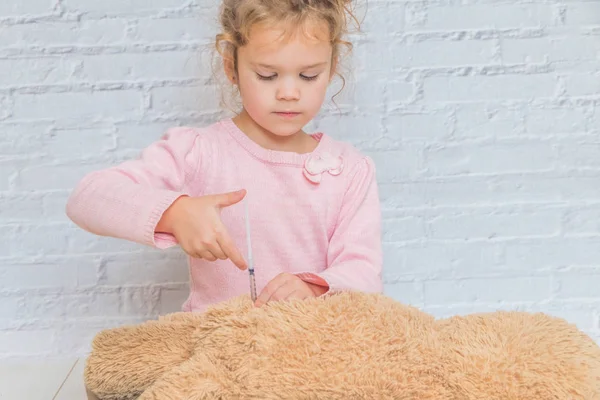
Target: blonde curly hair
(238,17)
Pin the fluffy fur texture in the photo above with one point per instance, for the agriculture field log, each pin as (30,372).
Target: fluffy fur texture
(343,346)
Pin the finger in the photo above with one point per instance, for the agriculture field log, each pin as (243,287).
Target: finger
(191,250)
(207,255)
(295,294)
(272,287)
(288,292)
(295,288)
(231,198)
(231,251)
(216,251)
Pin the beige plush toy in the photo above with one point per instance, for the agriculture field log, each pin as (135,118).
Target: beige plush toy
(343,346)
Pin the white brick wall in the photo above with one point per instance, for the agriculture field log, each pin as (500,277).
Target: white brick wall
(483,117)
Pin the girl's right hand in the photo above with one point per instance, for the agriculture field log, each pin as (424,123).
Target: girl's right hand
(196,224)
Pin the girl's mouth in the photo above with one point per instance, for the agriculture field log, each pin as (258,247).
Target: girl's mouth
(287,114)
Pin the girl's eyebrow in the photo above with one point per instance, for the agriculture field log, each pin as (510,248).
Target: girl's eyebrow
(267,66)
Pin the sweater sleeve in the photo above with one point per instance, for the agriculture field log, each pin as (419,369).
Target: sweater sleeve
(127,201)
(354,256)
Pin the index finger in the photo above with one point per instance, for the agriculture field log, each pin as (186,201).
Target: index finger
(231,251)
(271,288)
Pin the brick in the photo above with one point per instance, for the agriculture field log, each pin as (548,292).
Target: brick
(553,253)
(582,221)
(527,50)
(85,32)
(436,53)
(579,155)
(9,306)
(175,100)
(52,177)
(409,293)
(476,224)
(139,301)
(53,206)
(548,121)
(83,242)
(480,121)
(395,18)
(380,18)
(524,156)
(23,8)
(438,260)
(20,207)
(364,94)
(57,239)
(8,173)
(190,29)
(78,143)
(72,305)
(144,269)
(399,92)
(400,229)
(493,290)
(38,240)
(19,139)
(578,285)
(112,7)
(35,71)
(582,84)
(468,190)
(361,131)
(66,272)
(489,88)
(397,165)
(138,136)
(7,234)
(171,300)
(483,16)
(422,126)
(549,49)
(6,106)
(76,336)
(103,105)
(372,57)
(146,66)
(582,13)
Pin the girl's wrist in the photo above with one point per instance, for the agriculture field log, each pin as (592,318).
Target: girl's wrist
(318,290)
(169,217)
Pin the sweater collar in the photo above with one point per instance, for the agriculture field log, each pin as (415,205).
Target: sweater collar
(277,156)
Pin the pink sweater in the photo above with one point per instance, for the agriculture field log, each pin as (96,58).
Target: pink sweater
(310,214)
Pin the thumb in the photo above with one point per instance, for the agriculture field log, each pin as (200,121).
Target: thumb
(231,198)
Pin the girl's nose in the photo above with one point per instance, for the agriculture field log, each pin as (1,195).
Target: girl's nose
(288,90)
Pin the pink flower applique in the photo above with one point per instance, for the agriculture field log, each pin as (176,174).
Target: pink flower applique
(316,164)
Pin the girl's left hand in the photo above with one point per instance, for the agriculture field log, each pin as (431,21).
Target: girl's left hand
(288,286)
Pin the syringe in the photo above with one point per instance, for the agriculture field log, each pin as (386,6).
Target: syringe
(250,258)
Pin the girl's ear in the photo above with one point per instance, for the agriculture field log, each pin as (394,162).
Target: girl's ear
(229,67)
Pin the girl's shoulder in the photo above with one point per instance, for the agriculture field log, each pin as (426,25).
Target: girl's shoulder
(198,138)
(191,132)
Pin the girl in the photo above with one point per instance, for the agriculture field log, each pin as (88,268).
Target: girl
(313,201)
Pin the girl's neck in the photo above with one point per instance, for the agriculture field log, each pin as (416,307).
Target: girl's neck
(299,142)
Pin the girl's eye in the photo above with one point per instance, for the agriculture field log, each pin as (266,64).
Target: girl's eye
(309,78)
(266,78)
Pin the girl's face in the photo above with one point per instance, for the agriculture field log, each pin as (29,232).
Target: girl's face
(283,81)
